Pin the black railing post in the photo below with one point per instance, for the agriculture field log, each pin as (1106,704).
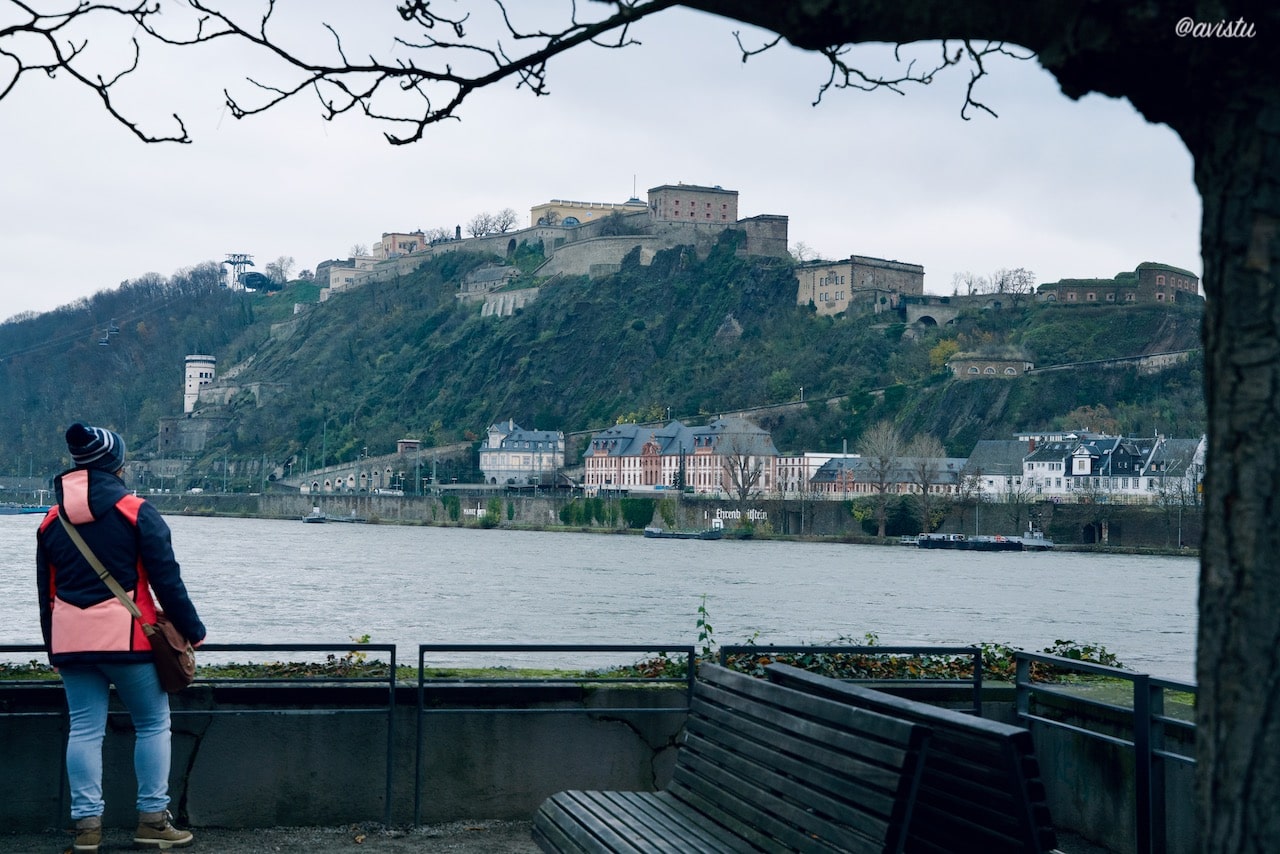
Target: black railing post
(977,681)
(391,736)
(1159,828)
(1142,761)
(417,758)
(1022,685)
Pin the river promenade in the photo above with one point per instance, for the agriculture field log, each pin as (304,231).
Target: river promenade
(459,837)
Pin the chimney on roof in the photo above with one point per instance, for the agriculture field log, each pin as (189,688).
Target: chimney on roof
(1031,445)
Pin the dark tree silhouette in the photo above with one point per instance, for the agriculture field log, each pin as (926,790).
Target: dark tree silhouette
(1211,77)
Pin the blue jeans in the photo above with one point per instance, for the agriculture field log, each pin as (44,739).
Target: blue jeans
(87,686)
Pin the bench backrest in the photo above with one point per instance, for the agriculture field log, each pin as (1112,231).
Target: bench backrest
(781,767)
(981,789)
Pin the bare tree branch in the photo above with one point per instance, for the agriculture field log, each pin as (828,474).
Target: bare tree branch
(52,44)
(445,63)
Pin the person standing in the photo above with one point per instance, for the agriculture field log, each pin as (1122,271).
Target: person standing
(94,642)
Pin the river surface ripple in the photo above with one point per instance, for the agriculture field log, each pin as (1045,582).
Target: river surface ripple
(269,581)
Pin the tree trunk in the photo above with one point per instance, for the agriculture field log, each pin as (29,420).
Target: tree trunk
(1238,665)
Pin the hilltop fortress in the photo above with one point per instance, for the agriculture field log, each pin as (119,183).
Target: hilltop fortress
(579,239)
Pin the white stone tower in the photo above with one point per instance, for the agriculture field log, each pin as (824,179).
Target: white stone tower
(200,372)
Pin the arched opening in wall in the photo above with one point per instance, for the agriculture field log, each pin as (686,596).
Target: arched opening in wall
(927,321)
(511,247)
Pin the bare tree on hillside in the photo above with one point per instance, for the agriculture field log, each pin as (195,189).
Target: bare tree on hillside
(358,250)
(504,220)
(480,225)
(801,252)
(1017,284)
(968,284)
(280,269)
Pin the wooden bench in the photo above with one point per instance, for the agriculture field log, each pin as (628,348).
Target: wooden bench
(981,790)
(762,767)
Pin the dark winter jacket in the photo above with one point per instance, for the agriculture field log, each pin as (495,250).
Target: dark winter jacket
(82,620)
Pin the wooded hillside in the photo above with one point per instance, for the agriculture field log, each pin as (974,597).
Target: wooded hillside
(690,338)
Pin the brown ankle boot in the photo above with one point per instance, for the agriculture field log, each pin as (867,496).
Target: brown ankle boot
(156,830)
(88,835)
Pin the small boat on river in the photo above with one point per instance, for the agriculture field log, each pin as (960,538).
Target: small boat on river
(315,516)
(16,509)
(715,532)
(976,543)
(1031,541)
(664,534)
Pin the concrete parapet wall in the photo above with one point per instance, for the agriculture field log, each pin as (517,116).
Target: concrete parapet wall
(271,756)
(1091,783)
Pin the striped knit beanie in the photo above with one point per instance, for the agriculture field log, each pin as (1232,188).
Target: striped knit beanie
(95,448)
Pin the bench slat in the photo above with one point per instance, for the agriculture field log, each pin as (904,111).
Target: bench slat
(777,817)
(981,789)
(813,773)
(637,822)
(762,768)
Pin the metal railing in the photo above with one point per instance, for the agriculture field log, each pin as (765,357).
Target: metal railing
(1148,723)
(576,679)
(386,708)
(972,652)
(1144,714)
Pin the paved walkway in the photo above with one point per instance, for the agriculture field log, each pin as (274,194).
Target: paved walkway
(459,837)
(462,837)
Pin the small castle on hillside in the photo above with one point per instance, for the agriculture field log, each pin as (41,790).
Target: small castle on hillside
(1150,283)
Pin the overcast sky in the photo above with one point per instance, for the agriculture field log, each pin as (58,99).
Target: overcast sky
(1065,189)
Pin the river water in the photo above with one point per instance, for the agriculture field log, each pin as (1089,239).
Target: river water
(267,581)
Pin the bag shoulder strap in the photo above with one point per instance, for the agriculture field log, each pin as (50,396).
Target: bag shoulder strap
(107,578)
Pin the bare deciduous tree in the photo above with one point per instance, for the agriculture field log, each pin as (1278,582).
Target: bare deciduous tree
(967,284)
(280,269)
(1017,284)
(505,220)
(926,463)
(881,446)
(480,225)
(801,252)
